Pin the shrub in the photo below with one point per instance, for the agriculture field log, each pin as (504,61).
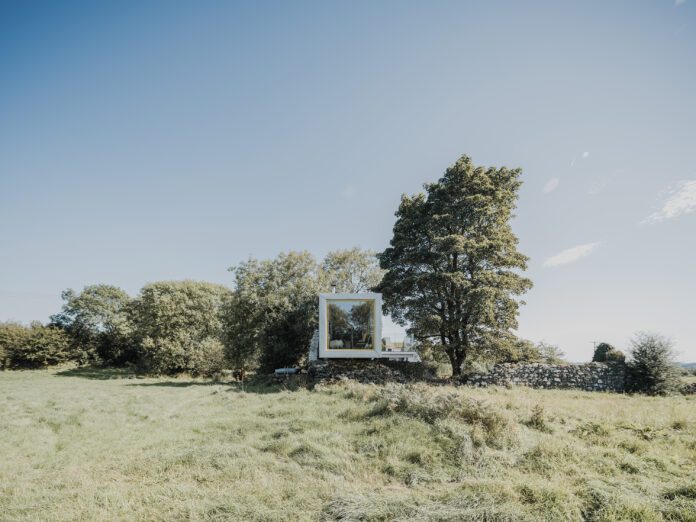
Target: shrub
(651,368)
(605,352)
(522,350)
(615,356)
(208,359)
(170,356)
(34,346)
(600,352)
(173,321)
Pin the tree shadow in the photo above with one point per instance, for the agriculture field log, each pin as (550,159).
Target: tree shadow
(97,373)
(257,384)
(259,388)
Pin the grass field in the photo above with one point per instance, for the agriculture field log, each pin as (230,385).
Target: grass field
(90,445)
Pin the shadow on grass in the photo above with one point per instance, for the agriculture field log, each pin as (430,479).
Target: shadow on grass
(260,387)
(259,384)
(96,373)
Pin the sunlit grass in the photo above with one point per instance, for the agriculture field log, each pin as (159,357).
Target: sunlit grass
(95,445)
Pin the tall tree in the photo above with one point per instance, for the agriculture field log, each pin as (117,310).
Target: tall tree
(452,267)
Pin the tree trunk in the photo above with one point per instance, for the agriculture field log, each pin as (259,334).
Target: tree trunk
(456,369)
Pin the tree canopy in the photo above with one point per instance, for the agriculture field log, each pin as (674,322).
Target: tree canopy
(352,271)
(452,267)
(172,319)
(274,309)
(97,322)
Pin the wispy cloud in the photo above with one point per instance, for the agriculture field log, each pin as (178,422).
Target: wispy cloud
(681,200)
(551,185)
(348,192)
(571,254)
(585,155)
(679,2)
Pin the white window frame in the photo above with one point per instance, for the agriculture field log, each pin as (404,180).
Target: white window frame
(355,353)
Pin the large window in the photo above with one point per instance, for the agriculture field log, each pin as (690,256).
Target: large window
(350,324)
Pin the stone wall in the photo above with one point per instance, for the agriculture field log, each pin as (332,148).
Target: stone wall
(591,376)
(375,371)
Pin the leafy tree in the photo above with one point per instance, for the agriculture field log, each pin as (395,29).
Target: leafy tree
(452,267)
(174,321)
(651,367)
(270,318)
(353,270)
(97,322)
(274,310)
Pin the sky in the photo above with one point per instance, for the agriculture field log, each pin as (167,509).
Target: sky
(146,141)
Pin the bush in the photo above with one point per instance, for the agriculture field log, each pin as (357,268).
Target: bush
(522,350)
(167,356)
(615,356)
(651,368)
(605,352)
(175,320)
(208,359)
(600,352)
(34,346)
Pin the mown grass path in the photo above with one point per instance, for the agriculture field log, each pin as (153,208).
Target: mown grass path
(91,445)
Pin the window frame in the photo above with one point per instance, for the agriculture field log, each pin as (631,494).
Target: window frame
(349,353)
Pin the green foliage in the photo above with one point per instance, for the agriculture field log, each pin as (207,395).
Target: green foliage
(451,269)
(353,270)
(615,356)
(651,367)
(550,354)
(600,353)
(97,323)
(175,322)
(33,347)
(522,350)
(605,352)
(519,350)
(273,311)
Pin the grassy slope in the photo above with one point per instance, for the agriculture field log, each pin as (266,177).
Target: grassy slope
(87,446)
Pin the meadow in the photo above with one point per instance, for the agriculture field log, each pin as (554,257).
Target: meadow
(84,444)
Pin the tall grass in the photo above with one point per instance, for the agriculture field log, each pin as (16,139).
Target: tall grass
(97,446)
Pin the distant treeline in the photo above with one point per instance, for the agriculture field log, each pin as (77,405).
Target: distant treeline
(170,327)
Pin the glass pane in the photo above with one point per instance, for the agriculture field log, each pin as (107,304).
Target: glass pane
(351,324)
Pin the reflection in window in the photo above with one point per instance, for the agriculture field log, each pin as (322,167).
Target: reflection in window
(351,324)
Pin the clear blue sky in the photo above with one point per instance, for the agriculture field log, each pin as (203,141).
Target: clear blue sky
(142,141)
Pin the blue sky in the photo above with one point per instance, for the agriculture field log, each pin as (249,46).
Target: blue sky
(142,141)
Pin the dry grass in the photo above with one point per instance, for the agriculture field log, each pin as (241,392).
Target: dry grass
(90,445)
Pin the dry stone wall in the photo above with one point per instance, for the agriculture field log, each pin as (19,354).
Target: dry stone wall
(591,376)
